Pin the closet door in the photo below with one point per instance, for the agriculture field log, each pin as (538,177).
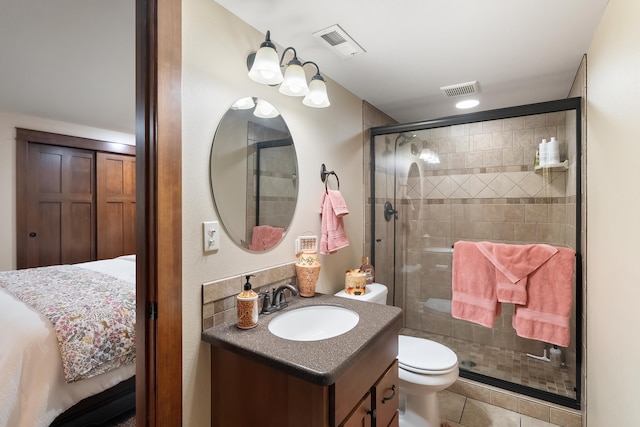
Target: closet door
(116,205)
(60,206)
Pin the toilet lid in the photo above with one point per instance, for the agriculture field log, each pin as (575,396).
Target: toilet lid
(424,356)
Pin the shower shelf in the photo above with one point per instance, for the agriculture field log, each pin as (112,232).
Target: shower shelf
(563,166)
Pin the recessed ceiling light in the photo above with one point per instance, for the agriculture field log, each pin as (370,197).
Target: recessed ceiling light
(469,103)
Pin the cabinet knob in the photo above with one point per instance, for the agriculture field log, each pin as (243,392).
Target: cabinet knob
(32,234)
(393,394)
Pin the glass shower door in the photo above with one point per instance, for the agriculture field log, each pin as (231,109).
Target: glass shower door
(475,181)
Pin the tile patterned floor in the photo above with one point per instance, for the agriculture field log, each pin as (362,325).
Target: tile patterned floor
(460,411)
(505,364)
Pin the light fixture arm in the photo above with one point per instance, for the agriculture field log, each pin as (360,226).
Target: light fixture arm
(317,76)
(294,60)
(267,41)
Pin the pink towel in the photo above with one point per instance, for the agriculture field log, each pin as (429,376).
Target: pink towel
(549,289)
(473,284)
(547,313)
(264,237)
(513,264)
(332,208)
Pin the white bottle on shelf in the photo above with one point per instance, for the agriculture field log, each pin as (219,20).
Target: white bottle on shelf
(553,152)
(543,148)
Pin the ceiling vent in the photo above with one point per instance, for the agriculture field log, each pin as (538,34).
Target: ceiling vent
(339,41)
(460,89)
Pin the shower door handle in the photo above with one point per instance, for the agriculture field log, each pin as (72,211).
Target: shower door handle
(389,212)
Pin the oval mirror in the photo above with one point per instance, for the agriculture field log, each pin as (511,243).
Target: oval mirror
(253,171)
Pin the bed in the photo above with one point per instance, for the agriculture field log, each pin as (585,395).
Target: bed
(36,385)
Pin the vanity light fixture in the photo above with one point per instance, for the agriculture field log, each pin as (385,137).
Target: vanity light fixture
(265,68)
(295,81)
(317,96)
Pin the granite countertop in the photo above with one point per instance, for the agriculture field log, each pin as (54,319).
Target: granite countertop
(320,362)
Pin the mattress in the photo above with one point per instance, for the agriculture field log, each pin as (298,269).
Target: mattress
(33,390)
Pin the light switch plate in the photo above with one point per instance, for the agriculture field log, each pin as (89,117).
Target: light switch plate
(211,236)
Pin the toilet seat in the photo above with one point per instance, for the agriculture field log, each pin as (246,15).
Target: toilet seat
(425,357)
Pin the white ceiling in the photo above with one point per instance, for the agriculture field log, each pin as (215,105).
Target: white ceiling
(69,59)
(520,51)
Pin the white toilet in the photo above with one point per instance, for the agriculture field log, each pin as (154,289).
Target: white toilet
(424,367)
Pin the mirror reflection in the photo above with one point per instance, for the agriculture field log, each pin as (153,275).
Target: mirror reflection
(254,174)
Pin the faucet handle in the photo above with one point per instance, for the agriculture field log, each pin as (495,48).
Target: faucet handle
(266,301)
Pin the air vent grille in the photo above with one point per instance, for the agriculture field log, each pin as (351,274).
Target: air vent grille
(337,39)
(333,38)
(460,89)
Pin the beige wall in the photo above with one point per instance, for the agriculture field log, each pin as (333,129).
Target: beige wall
(613,217)
(215,46)
(8,124)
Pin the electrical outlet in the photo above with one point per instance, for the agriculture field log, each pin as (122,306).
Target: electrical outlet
(211,236)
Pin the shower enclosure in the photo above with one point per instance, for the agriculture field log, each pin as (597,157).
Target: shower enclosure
(473,177)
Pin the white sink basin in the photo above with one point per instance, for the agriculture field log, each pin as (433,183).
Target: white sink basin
(313,323)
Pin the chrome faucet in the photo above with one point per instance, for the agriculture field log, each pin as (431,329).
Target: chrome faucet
(276,300)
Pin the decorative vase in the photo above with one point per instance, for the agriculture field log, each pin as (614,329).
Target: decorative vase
(307,270)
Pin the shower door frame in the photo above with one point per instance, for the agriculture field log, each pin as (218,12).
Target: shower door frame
(505,113)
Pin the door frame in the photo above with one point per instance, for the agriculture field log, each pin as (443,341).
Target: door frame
(159,212)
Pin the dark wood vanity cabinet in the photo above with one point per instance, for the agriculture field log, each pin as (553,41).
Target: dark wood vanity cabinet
(247,391)
(379,407)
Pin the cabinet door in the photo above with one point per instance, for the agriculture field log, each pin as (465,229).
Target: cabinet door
(386,393)
(361,416)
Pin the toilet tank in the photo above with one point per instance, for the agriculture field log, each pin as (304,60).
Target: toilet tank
(376,293)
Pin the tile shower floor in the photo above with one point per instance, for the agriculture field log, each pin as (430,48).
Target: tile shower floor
(505,364)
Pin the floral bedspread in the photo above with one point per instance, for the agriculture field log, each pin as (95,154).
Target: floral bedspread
(92,313)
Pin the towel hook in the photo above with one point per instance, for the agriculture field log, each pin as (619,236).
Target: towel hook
(324,176)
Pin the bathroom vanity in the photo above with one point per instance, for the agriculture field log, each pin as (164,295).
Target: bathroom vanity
(351,379)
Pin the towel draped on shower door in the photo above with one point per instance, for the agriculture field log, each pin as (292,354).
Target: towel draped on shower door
(537,278)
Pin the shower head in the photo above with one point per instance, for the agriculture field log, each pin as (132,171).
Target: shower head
(404,138)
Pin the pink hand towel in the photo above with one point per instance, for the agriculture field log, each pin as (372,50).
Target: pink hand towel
(546,315)
(473,284)
(264,237)
(332,208)
(513,264)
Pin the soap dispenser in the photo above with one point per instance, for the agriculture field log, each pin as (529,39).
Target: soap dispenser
(247,306)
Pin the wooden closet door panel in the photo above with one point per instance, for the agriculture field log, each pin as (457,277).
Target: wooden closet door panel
(48,223)
(116,205)
(60,224)
(79,229)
